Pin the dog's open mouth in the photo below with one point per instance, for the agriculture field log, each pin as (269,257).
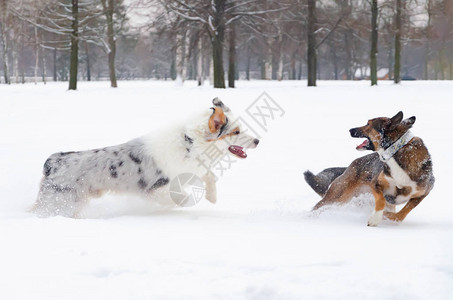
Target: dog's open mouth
(238,151)
(363,146)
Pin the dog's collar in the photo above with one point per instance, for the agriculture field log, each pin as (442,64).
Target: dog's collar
(396,146)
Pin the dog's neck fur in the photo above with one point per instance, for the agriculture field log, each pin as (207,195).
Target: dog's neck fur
(386,154)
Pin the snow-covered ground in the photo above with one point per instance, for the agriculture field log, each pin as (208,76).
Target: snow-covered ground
(260,240)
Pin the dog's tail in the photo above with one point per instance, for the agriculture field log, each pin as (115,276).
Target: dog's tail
(321,182)
(319,187)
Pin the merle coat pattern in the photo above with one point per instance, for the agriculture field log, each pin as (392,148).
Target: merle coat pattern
(141,166)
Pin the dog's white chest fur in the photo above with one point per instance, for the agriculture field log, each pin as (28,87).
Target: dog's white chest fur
(399,180)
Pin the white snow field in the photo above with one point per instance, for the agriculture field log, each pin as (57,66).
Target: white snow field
(260,240)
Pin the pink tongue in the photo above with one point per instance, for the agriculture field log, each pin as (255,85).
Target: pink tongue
(362,145)
(237,150)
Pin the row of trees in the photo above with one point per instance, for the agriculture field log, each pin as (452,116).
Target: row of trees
(186,39)
(65,26)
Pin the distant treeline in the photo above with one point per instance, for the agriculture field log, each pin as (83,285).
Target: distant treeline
(223,40)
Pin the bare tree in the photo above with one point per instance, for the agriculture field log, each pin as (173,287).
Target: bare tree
(4,20)
(397,67)
(74,60)
(311,45)
(109,7)
(216,16)
(115,16)
(374,42)
(217,25)
(232,57)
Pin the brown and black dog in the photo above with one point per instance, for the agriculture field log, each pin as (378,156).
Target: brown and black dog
(399,171)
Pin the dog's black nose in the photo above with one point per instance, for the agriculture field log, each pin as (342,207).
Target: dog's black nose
(256,141)
(354,132)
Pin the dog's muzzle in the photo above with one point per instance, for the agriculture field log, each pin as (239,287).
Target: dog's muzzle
(356,132)
(239,151)
(367,144)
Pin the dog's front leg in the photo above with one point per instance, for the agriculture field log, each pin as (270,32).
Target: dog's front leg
(211,189)
(379,199)
(410,205)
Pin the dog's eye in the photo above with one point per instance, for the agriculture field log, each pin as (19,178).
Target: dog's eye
(237,132)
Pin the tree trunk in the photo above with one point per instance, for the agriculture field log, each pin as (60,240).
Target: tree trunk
(3,33)
(451,71)
(274,66)
(74,56)
(192,65)
(299,74)
(173,72)
(266,59)
(232,57)
(247,68)
(54,64)
(335,65)
(36,56)
(87,54)
(262,66)
(269,68)
(374,42)
(279,58)
(22,65)
(436,72)
(44,67)
(109,9)
(427,37)
(217,44)
(318,70)
(441,61)
(181,67)
(311,46)
(15,57)
(112,44)
(217,59)
(397,66)
(200,69)
(348,67)
(391,61)
(426,62)
(211,70)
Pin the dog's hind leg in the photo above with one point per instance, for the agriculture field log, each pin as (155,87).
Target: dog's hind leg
(320,182)
(54,201)
(211,189)
(49,205)
(340,191)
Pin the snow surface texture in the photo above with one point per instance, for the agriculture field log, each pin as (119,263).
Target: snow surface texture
(260,240)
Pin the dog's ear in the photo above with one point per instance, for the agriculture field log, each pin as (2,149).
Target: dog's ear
(409,122)
(218,103)
(217,119)
(395,120)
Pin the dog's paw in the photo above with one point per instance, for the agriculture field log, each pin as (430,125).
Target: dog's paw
(376,218)
(392,216)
